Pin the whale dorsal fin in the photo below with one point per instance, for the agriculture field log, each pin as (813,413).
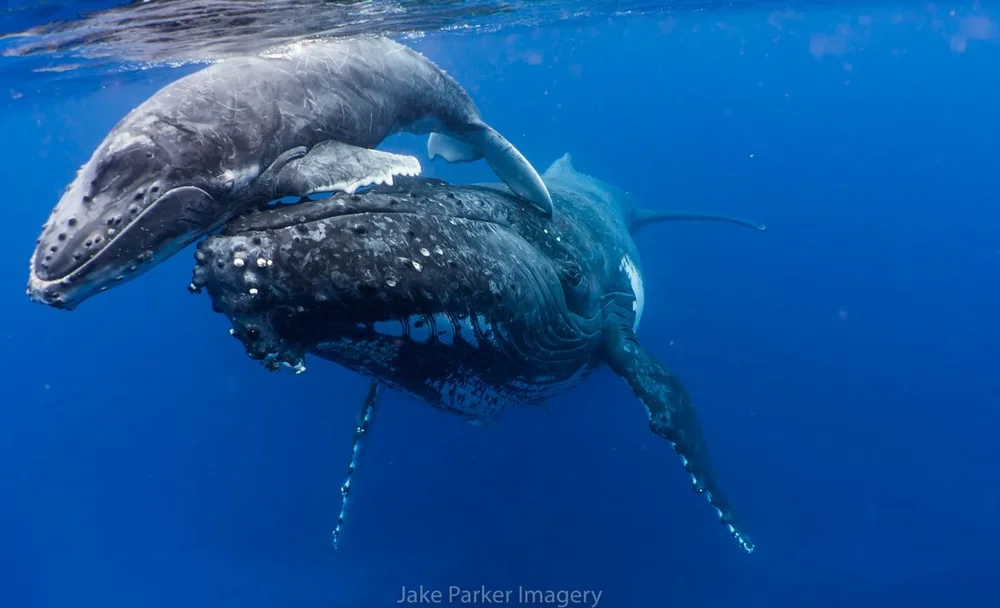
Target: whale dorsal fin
(562,166)
(563,172)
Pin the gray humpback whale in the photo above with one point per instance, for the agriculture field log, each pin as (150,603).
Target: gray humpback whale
(458,295)
(247,131)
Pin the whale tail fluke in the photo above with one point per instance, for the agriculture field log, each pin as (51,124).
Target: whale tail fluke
(671,416)
(483,142)
(451,149)
(643,217)
(360,432)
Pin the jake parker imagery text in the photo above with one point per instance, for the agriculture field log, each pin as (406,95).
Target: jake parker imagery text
(485,596)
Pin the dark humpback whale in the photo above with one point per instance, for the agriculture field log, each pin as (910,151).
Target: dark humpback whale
(247,131)
(458,295)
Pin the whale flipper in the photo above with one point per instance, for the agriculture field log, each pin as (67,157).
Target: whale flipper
(507,162)
(334,166)
(671,416)
(360,431)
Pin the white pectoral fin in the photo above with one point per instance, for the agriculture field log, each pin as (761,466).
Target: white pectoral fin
(334,166)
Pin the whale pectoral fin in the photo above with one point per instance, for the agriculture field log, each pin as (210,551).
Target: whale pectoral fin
(671,416)
(264,186)
(507,162)
(334,166)
(451,149)
(360,431)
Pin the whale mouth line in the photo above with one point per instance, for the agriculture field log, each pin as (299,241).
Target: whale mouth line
(44,290)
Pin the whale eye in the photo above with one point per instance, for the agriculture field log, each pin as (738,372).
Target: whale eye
(253,332)
(573,275)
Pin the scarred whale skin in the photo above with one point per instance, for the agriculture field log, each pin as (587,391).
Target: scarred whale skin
(459,296)
(246,131)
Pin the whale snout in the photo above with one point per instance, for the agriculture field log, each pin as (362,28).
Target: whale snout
(239,274)
(89,246)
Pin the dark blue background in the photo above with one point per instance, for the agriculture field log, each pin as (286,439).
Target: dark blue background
(843,363)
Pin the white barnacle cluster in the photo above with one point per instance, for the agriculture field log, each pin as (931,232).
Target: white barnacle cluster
(240,261)
(297,368)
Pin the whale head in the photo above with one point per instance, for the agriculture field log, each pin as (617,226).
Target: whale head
(134,203)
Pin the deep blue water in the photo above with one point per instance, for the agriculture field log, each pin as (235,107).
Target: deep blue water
(844,362)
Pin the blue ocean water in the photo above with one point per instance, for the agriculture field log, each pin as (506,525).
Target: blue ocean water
(843,362)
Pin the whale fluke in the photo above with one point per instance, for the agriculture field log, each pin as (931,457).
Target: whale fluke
(506,161)
(360,432)
(671,416)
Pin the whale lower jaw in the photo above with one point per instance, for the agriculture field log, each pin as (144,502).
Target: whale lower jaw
(48,291)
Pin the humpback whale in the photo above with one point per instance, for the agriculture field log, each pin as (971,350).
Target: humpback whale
(247,131)
(460,296)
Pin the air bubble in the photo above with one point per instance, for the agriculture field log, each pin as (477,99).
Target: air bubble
(390,281)
(238,262)
(424,252)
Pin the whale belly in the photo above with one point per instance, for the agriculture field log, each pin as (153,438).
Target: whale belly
(459,364)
